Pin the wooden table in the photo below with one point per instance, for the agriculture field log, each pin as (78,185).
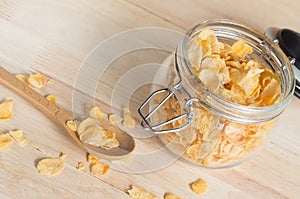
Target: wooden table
(54,38)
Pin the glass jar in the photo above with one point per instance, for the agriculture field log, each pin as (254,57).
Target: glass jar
(199,123)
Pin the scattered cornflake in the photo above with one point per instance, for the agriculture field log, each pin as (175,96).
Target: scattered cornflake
(72,124)
(171,196)
(80,166)
(139,193)
(63,155)
(99,168)
(95,112)
(199,186)
(6,110)
(50,166)
(51,98)
(91,159)
(5,140)
(50,82)
(113,118)
(37,80)
(128,119)
(18,136)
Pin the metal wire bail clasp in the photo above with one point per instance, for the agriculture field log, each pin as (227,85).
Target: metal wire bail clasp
(186,112)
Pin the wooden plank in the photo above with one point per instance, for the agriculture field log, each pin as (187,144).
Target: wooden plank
(54,37)
(258,14)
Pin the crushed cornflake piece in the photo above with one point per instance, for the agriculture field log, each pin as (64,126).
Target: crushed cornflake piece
(37,80)
(199,186)
(50,166)
(63,155)
(24,142)
(128,119)
(72,124)
(6,110)
(91,159)
(139,193)
(51,98)
(50,82)
(5,140)
(171,196)
(80,166)
(113,118)
(95,112)
(18,136)
(99,168)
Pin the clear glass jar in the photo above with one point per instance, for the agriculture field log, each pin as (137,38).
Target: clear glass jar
(197,122)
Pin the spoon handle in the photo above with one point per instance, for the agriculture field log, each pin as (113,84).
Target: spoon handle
(54,112)
(14,84)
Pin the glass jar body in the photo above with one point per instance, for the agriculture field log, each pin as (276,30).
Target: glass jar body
(221,133)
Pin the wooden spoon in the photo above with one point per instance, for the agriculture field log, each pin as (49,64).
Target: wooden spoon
(60,116)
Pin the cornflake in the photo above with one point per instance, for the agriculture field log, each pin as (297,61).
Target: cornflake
(6,110)
(18,136)
(241,48)
(80,166)
(50,166)
(91,133)
(171,196)
(91,159)
(113,118)
(199,186)
(63,155)
(5,140)
(95,112)
(51,98)
(37,80)
(128,119)
(99,168)
(23,78)
(72,124)
(139,193)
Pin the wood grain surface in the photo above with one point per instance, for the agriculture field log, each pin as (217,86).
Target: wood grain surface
(55,37)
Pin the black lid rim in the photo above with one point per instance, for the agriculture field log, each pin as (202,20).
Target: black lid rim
(284,47)
(286,50)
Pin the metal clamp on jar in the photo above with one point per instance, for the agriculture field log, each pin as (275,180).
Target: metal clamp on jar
(205,123)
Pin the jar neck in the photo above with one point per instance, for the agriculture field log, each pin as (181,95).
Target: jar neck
(278,62)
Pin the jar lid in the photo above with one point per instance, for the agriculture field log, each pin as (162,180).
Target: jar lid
(289,42)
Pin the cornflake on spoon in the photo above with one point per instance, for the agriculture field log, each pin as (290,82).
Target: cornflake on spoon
(51,98)
(91,133)
(37,80)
